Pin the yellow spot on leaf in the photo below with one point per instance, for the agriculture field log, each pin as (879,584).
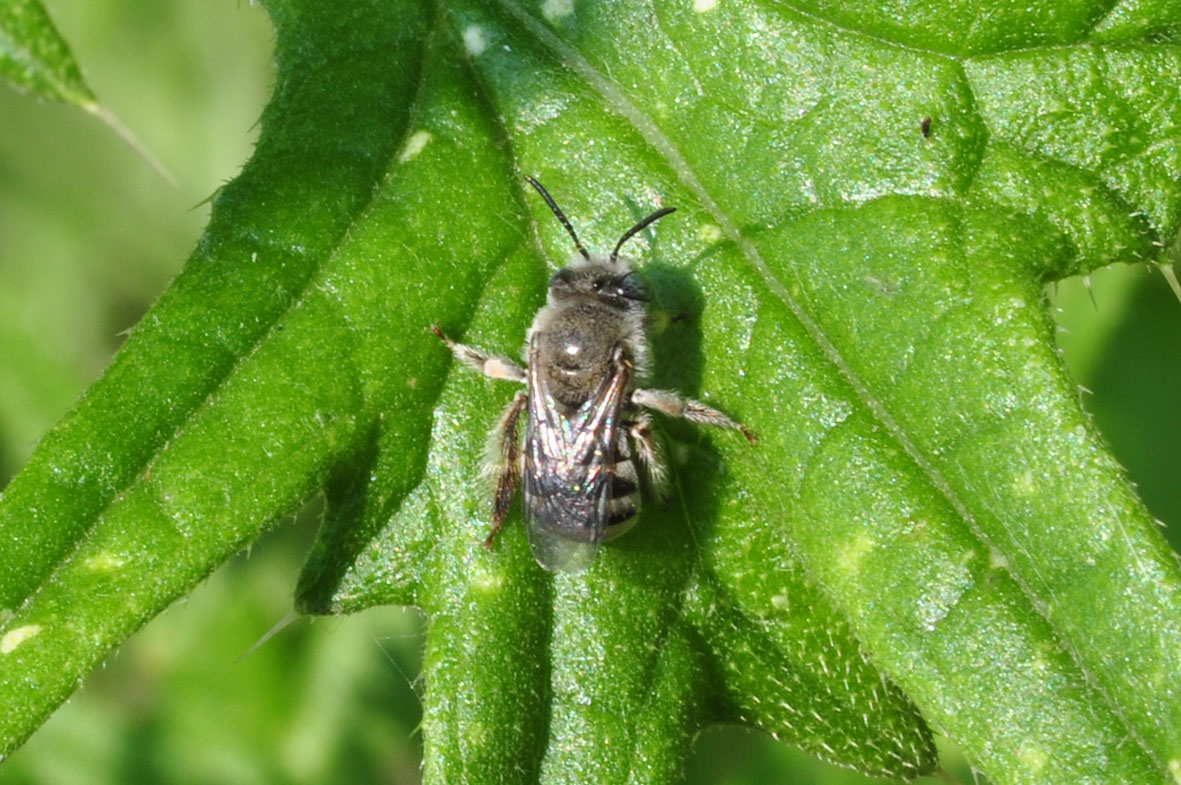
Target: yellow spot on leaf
(709,233)
(556,9)
(1024,485)
(414,145)
(851,555)
(486,581)
(104,562)
(1034,758)
(16,636)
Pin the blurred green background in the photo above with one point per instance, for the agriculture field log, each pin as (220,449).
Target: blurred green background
(90,235)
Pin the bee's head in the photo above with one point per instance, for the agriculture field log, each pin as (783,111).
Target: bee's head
(613,282)
(611,279)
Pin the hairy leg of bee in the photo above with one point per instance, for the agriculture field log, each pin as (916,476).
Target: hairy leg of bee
(649,454)
(694,411)
(490,365)
(504,463)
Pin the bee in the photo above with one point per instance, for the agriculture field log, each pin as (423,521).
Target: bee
(588,429)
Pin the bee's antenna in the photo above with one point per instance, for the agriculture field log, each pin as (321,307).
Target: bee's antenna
(638,227)
(561,216)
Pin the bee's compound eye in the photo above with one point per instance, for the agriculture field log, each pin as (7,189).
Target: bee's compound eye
(631,287)
(561,279)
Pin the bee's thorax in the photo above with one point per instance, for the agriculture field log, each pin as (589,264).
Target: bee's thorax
(577,337)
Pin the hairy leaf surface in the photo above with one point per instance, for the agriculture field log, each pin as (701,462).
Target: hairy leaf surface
(929,530)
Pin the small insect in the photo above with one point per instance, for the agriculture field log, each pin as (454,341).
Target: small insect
(588,429)
(925,127)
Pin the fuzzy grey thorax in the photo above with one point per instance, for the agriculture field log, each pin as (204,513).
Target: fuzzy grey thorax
(592,308)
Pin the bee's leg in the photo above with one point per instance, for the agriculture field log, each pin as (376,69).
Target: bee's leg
(504,463)
(491,366)
(650,455)
(694,411)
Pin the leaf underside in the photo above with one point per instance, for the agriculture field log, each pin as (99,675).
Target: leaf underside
(929,530)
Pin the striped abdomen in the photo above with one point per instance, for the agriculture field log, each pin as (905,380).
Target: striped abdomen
(624,503)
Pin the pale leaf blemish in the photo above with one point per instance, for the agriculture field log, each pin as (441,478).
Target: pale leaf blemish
(945,594)
(556,9)
(476,735)
(1024,485)
(701,6)
(414,145)
(16,636)
(486,581)
(1175,770)
(1034,758)
(852,554)
(104,561)
(474,41)
(709,233)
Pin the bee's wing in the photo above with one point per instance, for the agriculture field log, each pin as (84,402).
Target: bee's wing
(569,463)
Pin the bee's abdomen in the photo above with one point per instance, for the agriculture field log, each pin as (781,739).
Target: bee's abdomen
(625,492)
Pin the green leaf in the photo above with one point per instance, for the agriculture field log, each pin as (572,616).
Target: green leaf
(109,505)
(869,205)
(35,58)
